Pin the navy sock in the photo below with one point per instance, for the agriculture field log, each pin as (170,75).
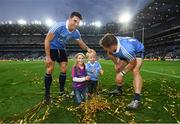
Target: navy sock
(119,88)
(136,96)
(47,82)
(62,80)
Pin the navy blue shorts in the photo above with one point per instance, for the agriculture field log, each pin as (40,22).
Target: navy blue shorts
(140,55)
(58,55)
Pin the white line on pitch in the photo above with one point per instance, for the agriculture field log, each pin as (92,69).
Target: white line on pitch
(159,73)
(154,72)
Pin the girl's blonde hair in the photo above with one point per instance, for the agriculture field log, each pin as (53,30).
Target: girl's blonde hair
(76,56)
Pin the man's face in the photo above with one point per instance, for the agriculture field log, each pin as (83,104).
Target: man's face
(73,22)
(111,49)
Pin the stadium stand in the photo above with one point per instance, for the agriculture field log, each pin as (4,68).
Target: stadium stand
(160,21)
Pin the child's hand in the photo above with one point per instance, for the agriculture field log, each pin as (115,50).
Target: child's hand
(101,72)
(87,78)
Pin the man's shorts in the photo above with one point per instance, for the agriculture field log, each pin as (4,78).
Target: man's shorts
(58,55)
(140,55)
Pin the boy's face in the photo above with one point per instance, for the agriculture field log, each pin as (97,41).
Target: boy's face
(92,57)
(111,49)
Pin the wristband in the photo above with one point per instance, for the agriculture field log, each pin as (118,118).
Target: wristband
(48,57)
(122,73)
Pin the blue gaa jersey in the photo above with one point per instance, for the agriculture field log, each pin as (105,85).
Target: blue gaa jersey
(127,48)
(62,35)
(93,70)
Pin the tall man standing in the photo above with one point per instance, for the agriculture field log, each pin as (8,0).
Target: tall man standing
(55,43)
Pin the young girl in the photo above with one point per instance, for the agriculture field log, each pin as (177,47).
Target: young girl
(93,69)
(79,78)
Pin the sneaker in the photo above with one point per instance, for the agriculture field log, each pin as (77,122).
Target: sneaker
(47,100)
(134,104)
(116,92)
(61,93)
(72,93)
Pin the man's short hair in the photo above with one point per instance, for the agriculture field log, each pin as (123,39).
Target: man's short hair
(108,40)
(76,14)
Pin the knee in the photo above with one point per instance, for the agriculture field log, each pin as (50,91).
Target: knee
(50,69)
(63,69)
(136,71)
(119,79)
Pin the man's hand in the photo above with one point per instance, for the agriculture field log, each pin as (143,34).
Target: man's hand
(91,50)
(48,61)
(119,66)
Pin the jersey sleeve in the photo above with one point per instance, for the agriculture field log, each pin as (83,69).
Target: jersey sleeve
(129,53)
(132,56)
(55,29)
(99,65)
(72,72)
(77,35)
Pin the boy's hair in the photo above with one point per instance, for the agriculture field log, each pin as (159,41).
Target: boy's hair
(76,14)
(87,54)
(108,40)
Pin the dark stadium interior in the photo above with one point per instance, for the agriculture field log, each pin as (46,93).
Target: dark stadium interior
(157,26)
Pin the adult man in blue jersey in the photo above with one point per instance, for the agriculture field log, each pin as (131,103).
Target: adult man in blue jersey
(127,54)
(55,45)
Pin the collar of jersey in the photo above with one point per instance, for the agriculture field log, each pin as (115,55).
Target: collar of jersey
(118,46)
(67,22)
(92,64)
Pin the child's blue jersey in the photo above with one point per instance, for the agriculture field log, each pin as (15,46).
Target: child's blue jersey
(93,70)
(62,35)
(127,48)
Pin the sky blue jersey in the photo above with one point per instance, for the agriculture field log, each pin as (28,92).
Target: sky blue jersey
(62,35)
(127,48)
(93,70)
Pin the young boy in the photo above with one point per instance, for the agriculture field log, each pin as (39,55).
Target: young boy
(93,69)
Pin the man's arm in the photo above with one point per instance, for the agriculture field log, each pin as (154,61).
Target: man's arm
(47,41)
(129,67)
(113,58)
(84,46)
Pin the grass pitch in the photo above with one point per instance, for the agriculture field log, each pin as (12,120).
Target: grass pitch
(22,88)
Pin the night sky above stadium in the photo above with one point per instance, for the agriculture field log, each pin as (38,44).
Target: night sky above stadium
(59,10)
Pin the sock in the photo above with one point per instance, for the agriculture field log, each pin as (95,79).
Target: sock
(62,80)
(137,96)
(47,82)
(119,88)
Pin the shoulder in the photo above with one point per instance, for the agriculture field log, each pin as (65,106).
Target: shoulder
(87,64)
(76,32)
(97,63)
(57,26)
(74,67)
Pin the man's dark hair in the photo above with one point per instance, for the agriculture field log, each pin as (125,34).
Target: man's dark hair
(108,40)
(76,14)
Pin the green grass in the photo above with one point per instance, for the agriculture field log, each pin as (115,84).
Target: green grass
(21,88)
